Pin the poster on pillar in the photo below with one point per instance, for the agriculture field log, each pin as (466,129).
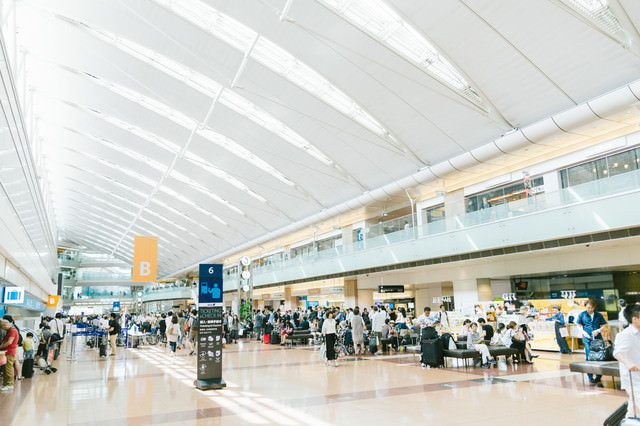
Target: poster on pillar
(145,258)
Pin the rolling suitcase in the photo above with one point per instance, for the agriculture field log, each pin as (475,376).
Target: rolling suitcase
(432,353)
(635,420)
(27,368)
(275,338)
(266,338)
(102,345)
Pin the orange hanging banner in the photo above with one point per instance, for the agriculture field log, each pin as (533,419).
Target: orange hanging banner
(145,258)
(52,301)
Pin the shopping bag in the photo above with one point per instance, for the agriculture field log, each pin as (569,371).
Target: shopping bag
(323,352)
(564,332)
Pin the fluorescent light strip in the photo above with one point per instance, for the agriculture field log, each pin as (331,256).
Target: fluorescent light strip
(204,85)
(275,58)
(383,24)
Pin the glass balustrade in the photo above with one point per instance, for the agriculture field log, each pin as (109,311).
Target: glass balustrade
(401,229)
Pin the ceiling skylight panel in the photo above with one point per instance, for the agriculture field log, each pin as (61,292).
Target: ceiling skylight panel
(121,149)
(270,55)
(193,158)
(282,62)
(220,25)
(598,12)
(243,153)
(191,203)
(244,107)
(382,23)
(196,185)
(129,127)
(147,102)
(138,176)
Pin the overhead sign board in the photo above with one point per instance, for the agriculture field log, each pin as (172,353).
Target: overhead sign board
(116,307)
(390,289)
(145,258)
(13,296)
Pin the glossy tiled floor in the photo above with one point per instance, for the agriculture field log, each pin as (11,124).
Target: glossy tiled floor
(272,385)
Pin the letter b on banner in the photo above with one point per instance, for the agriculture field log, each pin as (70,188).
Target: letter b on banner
(145,258)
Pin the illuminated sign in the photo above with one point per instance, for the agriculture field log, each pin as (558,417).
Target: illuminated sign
(13,296)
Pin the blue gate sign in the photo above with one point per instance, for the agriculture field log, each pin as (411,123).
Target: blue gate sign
(210,284)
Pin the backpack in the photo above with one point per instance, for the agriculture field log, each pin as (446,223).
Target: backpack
(597,350)
(19,336)
(429,333)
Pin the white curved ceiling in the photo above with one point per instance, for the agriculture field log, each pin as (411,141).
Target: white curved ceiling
(210,123)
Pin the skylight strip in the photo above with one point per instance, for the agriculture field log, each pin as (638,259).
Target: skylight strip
(241,152)
(206,86)
(170,222)
(190,203)
(185,179)
(382,23)
(120,149)
(138,176)
(599,13)
(102,211)
(99,220)
(108,193)
(131,128)
(190,124)
(179,213)
(104,177)
(277,59)
(195,159)
(207,18)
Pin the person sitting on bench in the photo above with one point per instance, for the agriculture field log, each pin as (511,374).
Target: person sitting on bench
(474,341)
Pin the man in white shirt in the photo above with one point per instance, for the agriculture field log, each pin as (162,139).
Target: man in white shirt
(377,322)
(627,351)
(423,320)
(443,317)
(57,326)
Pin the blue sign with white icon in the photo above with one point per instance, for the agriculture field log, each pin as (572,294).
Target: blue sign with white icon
(210,288)
(13,296)
(116,307)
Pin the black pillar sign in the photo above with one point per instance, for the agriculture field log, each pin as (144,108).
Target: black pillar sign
(210,332)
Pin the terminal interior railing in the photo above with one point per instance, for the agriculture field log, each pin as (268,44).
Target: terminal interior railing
(575,195)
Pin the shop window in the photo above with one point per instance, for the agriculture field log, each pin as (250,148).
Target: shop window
(621,163)
(433,214)
(601,168)
(506,194)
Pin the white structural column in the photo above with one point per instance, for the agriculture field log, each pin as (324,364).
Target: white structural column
(350,293)
(453,206)
(465,293)
(365,298)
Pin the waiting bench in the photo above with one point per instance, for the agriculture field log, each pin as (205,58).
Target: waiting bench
(299,335)
(602,368)
(466,354)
